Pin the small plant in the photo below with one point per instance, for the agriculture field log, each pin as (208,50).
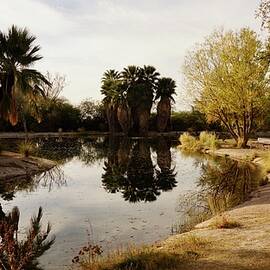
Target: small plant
(26,148)
(88,254)
(223,222)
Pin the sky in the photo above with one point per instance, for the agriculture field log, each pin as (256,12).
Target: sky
(83,38)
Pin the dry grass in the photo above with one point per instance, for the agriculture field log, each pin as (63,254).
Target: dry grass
(174,256)
(135,259)
(224,222)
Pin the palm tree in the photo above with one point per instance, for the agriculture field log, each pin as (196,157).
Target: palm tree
(140,84)
(17,54)
(110,89)
(165,91)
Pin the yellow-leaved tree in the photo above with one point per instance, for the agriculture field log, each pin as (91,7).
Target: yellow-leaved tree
(227,76)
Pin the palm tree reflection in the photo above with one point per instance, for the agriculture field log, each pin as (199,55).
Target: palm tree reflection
(129,169)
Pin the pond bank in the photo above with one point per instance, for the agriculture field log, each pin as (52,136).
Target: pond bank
(247,245)
(13,165)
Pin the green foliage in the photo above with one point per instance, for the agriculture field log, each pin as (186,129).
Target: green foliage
(227,77)
(192,121)
(165,88)
(26,148)
(17,54)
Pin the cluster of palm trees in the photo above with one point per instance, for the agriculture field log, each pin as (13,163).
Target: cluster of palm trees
(129,96)
(19,83)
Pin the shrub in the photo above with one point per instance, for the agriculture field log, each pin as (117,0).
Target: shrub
(26,148)
(208,140)
(189,143)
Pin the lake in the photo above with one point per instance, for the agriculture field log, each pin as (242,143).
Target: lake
(122,191)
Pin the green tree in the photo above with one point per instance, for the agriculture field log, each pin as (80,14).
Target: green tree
(17,54)
(227,78)
(165,91)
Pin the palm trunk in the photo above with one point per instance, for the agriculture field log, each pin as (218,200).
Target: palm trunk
(123,116)
(111,114)
(144,116)
(163,114)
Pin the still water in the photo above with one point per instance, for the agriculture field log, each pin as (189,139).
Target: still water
(122,191)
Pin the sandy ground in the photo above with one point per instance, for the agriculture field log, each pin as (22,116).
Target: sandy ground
(15,165)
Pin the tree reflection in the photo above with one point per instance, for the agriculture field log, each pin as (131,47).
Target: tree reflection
(59,149)
(227,183)
(223,184)
(51,179)
(129,169)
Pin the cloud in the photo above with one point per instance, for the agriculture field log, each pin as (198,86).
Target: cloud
(84,38)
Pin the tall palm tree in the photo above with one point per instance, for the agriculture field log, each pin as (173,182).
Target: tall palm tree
(165,91)
(17,54)
(110,89)
(141,84)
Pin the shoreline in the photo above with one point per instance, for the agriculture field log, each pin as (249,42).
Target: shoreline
(14,165)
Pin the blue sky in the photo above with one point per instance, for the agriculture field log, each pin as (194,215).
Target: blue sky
(83,38)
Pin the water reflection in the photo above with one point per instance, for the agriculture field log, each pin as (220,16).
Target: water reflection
(54,178)
(227,183)
(129,169)
(223,184)
(128,166)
